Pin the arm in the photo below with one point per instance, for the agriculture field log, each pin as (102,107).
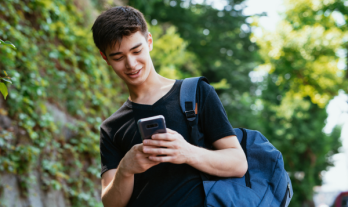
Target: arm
(117,184)
(117,188)
(228,160)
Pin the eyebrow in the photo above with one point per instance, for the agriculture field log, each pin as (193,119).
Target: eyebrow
(117,53)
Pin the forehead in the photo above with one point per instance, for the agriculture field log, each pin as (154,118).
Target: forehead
(127,43)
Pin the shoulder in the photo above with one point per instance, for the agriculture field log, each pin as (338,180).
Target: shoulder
(203,91)
(204,86)
(117,119)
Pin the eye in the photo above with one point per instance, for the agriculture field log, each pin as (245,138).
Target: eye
(118,58)
(137,52)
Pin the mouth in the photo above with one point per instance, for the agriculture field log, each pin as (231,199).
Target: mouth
(134,74)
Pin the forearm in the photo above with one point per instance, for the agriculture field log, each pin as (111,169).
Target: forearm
(229,162)
(119,190)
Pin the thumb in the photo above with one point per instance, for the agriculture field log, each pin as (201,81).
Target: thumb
(139,147)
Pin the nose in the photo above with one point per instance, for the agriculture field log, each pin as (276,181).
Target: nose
(131,62)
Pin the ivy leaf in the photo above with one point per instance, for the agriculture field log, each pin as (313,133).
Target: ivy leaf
(7,43)
(6,80)
(3,89)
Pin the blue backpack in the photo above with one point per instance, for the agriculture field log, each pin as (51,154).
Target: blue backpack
(266,183)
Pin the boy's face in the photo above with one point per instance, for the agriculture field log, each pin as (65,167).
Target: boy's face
(131,61)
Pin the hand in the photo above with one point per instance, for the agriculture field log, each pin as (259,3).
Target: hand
(168,147)
(136,161)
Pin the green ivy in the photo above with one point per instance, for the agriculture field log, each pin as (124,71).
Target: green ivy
(56,65)
(6,78)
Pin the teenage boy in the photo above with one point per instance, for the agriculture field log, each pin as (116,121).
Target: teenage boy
(164,170)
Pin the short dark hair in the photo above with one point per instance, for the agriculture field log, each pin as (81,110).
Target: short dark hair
(114,23)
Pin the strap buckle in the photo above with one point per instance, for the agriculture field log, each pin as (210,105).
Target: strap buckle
(190,115)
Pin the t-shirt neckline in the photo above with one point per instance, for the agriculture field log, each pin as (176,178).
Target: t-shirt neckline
(131,104)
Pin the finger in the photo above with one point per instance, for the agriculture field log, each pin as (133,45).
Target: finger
(143,159)
(171,131)
(145,152)
(157,151)
(162,159)
(148,161)
(157,143)
(163,136)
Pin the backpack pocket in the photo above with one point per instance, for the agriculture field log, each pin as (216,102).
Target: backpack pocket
(226,192)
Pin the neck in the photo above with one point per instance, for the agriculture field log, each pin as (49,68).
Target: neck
(153,88)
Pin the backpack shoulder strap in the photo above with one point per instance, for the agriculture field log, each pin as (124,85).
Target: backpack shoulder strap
(188,96)
(188,92)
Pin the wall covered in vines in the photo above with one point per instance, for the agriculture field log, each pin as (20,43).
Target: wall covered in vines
(61,91)
(55,65)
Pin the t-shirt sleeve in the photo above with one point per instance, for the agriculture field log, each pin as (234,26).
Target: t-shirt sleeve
(214,121)
(109,153)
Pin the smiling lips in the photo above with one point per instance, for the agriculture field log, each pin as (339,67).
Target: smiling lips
(134,74)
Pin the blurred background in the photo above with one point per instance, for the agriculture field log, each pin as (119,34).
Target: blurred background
(279,66)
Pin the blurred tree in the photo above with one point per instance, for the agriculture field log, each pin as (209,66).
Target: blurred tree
(301,61)
(221,44)
(169,54)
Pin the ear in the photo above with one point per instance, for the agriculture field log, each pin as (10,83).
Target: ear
(104,57)
(150,41)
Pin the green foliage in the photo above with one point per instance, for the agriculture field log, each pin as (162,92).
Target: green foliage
(56,64)
(6,79)
(57,67)
(3,89)
(221,85)
(7,43)
(169,55)
(301,62)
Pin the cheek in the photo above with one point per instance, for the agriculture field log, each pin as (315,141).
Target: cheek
(144,55)
(141,58)
(118,67)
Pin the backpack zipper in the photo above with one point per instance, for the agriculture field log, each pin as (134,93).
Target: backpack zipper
(285,198)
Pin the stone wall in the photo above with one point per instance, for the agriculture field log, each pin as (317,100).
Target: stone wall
(11,194)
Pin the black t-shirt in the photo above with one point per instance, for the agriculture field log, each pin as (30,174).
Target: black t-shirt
(165,184)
